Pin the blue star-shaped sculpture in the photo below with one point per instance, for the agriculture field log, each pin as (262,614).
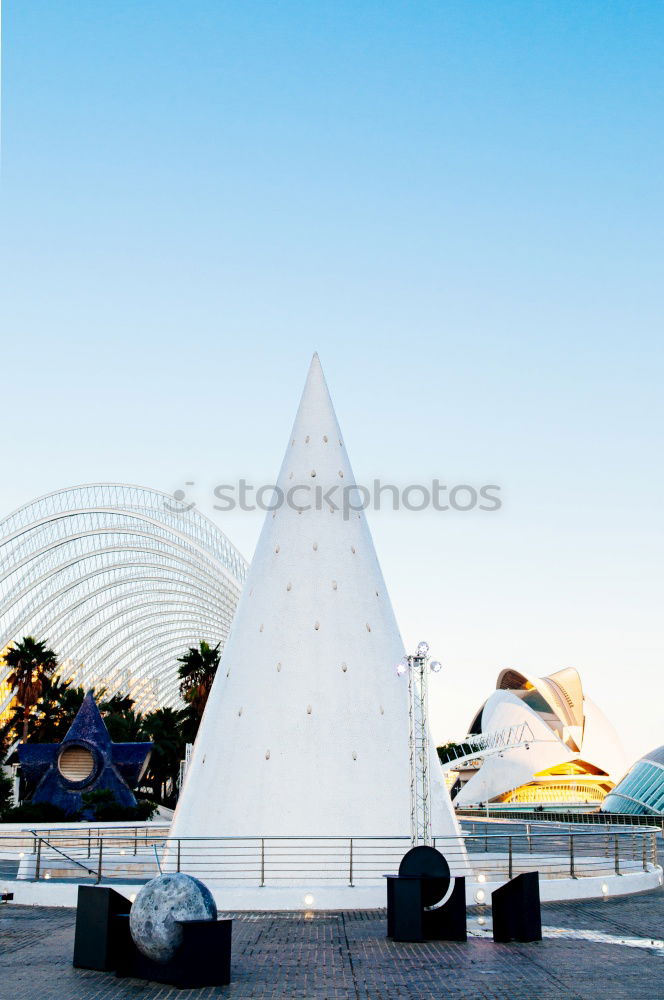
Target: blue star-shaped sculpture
(86,760)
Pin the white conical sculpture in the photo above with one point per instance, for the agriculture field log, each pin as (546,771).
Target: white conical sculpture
(306,729)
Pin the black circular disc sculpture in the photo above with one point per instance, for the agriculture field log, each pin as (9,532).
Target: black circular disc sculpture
(424,901)
(428,863)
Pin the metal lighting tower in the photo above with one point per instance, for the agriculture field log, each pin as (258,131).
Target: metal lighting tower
(417,667)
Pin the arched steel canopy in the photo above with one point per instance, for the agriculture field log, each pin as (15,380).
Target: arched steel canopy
(119,580)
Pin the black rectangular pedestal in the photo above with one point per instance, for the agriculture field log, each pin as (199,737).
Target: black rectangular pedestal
(99,938)
(409,920)
(448,922)
(516,911)
(203,959)
(404,909)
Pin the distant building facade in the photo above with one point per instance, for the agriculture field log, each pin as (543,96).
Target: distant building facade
(61,774)
(641,791)
(574,755)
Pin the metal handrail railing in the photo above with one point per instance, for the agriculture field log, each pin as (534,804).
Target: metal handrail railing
(349,860)
(578,817)
(482,745)
(42,841)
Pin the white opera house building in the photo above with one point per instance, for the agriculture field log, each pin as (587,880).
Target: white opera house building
(570,755)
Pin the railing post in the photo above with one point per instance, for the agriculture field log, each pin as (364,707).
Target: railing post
(645,857)
(530,841)
(178,854)
(89,847)
(135,841)
(616,853)
(100,859)
(510,858)
(350,864)
(572,873)
(262,862)
(38,861)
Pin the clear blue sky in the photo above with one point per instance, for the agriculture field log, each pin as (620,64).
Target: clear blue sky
(459,205)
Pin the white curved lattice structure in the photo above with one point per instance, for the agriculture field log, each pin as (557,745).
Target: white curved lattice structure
(119,580)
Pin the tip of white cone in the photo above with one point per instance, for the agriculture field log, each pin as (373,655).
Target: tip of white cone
(315,377)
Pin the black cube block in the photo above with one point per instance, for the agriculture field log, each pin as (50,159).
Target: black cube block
(99,937)
(203,958)
(447,922)
(410,919)
(516,910)
(404,909)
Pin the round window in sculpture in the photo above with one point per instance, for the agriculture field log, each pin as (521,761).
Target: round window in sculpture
(76,764)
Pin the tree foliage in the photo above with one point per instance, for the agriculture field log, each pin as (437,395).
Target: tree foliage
(5,792)
(31,663)
(164,728)
(197,672)
(46,705)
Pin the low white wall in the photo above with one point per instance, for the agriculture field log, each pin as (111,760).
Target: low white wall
(327,897)
(23,827)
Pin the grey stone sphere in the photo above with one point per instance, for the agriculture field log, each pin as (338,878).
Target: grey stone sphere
(157,908)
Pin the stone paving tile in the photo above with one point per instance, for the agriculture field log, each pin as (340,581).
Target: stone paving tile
(346,956)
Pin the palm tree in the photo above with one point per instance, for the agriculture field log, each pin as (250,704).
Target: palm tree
(123,723)
(117,704)
(199,666)
(164,728)
(56,710)
(30,663)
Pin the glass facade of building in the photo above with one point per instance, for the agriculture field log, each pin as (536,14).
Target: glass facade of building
(641,791)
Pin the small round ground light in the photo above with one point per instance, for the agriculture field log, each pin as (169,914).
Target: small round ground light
(161,903)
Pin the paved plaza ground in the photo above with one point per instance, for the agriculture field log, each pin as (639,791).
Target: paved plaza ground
(592,950)
(597,950)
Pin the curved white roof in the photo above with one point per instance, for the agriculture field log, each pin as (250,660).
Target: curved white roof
(566,725)
(119,580)
(501,772)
